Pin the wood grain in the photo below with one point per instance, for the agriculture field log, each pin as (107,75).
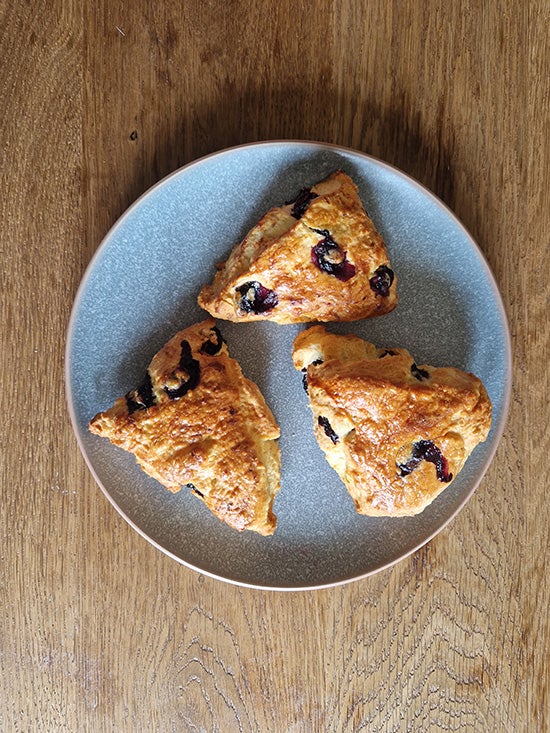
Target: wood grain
(100,631)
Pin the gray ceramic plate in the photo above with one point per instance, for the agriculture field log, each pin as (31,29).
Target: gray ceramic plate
(141,287)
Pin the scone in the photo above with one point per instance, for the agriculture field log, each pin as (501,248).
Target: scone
(317,258)
(196,421)
(396,433)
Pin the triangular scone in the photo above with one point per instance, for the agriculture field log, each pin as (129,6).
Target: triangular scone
(196,421)
(318,258)
(396,433)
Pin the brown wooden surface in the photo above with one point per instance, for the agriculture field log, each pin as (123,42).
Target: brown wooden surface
(99,630)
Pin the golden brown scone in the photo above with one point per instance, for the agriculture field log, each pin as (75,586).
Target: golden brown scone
(318,258)
(396,433)
(196,420)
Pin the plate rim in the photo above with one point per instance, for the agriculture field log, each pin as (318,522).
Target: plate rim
(507,346)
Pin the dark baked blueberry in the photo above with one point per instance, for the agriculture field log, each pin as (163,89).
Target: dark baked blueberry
(142,397)
(255,298)
(426,450)
(329,257)
(214,344)
(185,376)
(420,374)
(304,370)
(381,280)
(327,427)
(194,490)
(387,352)
(301,202)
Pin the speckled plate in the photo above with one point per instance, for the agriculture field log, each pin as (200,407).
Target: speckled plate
(141,287)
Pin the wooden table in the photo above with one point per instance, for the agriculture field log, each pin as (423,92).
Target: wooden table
(98,629)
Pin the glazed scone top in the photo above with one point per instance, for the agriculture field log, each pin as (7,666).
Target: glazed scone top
(317,258)
(396,433)
(196,420)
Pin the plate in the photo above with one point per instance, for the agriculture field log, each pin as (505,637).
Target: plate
(141,287)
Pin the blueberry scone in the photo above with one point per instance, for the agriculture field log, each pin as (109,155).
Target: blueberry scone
(396,433)
(317,258)
(196,421)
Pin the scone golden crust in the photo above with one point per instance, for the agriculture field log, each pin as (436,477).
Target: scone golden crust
(318,258)
(396,433)
(196,420)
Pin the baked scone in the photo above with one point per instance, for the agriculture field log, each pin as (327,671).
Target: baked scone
(317,258)
(196,421)
(396,433)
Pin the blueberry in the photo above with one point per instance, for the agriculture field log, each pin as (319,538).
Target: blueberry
(329,257)
(194,490)
(381,280)
(304,370)
(185,376)
(301,202)
(255,298)
(142,397)
(426,450)
(420,374)
(327,427)
(212,347)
